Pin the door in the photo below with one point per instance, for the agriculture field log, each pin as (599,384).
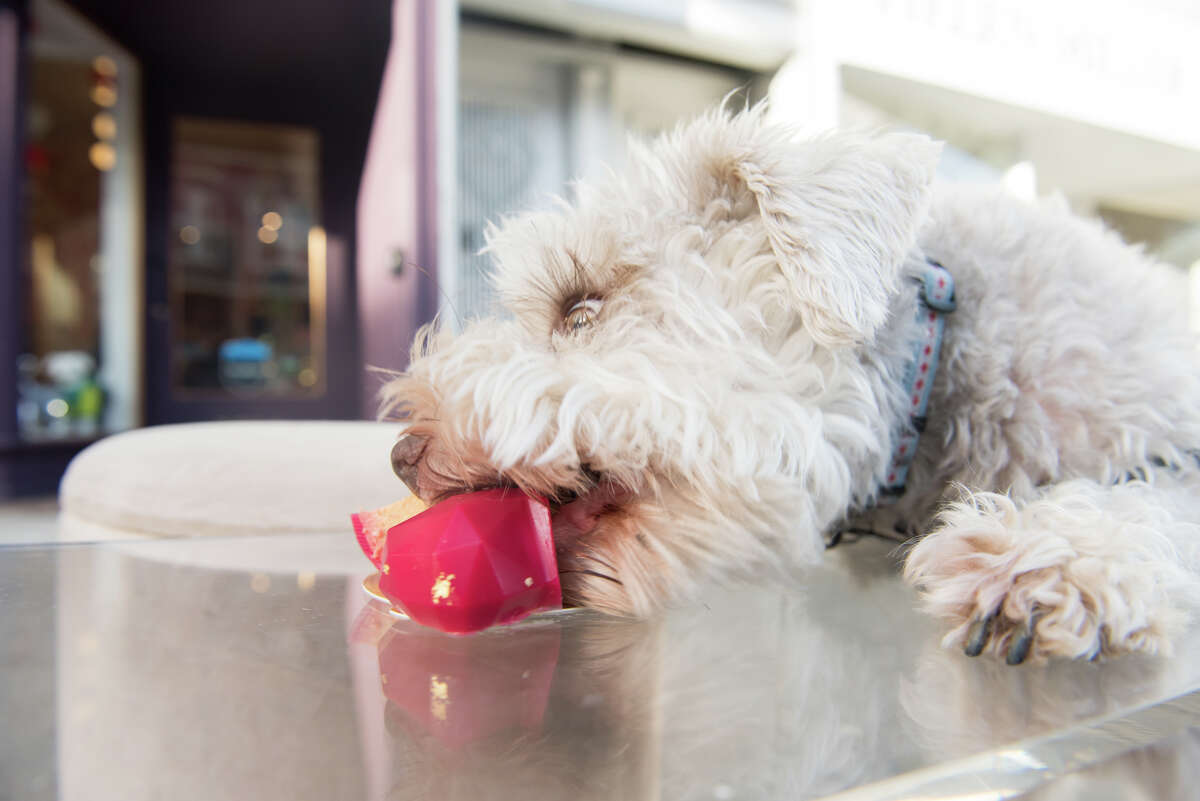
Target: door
(256,130)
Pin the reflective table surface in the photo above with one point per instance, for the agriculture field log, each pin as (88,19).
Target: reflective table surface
(260,669)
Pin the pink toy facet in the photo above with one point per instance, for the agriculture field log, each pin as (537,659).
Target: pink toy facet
(473,561)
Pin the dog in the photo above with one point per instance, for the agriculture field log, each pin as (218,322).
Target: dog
(707,363)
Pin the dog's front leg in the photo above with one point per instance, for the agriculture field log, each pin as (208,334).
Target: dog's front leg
(1081,570)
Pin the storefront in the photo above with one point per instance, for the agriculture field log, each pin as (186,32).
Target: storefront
(179,216)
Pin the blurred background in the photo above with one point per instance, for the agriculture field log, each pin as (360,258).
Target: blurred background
(227,209)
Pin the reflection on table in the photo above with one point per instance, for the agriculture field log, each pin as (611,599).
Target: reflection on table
(227,675)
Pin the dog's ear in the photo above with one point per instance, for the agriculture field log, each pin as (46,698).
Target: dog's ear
(841,213)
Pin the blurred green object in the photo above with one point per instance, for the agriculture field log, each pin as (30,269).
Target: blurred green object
(86,401)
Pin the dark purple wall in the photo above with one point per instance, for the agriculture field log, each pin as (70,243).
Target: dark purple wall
(11,275)
(398,202)
(16,473)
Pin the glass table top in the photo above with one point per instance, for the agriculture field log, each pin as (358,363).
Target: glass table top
(259,668)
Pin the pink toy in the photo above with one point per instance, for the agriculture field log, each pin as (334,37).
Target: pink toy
(467,563)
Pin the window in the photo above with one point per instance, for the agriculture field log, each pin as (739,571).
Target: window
(246,264)
(80,371)
(536,112)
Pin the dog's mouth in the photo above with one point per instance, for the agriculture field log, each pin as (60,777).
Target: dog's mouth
(574,514)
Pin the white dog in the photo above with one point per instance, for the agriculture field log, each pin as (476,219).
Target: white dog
(716,360)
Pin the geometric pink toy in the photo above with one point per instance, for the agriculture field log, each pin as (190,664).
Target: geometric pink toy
(471,561)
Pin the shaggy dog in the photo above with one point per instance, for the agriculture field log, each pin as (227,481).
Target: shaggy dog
(705,365)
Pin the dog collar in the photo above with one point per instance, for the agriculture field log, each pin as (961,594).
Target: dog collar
(934,301)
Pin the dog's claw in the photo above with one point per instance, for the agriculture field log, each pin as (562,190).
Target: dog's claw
(978,634)
(1022,641)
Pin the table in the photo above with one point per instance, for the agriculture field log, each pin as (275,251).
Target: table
(257,668)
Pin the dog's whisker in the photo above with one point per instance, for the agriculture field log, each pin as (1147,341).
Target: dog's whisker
(436,284)
(594,574)
(592,556)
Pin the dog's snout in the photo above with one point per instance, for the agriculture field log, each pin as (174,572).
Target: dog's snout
(406,456)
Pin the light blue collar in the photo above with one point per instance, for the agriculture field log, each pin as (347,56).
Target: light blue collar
(934,301)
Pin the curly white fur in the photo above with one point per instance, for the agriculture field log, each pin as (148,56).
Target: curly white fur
(737,394)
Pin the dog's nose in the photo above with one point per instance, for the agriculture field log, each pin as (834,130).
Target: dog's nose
(406,455)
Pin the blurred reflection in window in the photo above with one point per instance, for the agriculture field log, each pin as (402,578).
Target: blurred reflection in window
(80,373)
(533,115)
(247,261)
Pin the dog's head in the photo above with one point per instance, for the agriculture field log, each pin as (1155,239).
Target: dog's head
(684,373)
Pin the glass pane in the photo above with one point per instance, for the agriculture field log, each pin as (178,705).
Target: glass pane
(246,274)
(79,375)
(506,161)
(532,116)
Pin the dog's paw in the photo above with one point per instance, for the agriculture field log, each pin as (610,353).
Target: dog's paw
(1053,613)
(1016,588)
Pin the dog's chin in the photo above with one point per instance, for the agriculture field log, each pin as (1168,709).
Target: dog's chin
(586,528)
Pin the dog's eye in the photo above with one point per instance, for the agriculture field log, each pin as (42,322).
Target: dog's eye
(581,315)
